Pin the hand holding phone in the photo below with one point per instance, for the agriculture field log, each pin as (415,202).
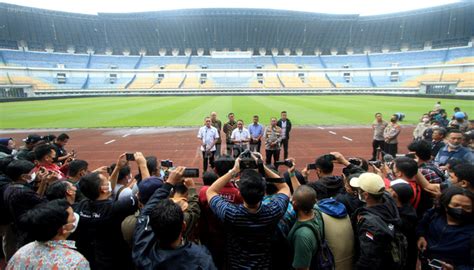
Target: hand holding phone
(130,156)
(311,166)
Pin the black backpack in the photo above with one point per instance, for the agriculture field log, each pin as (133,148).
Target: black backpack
(398,247)
(323,259)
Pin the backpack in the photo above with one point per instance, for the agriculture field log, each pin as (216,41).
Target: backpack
(397,246)
(323,259)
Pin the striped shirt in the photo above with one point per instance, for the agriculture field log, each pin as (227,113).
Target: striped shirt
(249,234)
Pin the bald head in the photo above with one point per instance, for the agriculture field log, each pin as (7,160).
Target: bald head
(304,198)
(213,115)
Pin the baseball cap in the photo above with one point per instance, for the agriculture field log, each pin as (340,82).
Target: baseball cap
(459,115)
(369,182)
(403,190)
(147,187)
(33,138)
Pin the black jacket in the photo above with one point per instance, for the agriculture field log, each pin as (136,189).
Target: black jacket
(351,202)
(148,255)
(288,127)
(374,232)
(409,221)
(328,186)
(99,235)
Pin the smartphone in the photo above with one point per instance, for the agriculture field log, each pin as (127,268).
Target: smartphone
(129,156)
(166,163)
(311,166)
(436,264)
(191,172)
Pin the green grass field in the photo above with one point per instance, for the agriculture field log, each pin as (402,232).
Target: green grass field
(190,111)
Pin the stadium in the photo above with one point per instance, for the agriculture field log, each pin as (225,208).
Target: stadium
(146,82)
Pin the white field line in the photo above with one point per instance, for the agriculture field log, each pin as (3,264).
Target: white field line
(111,141)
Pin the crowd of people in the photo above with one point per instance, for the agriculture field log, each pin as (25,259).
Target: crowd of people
(410,211)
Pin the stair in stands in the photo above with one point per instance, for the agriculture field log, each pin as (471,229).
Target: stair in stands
(2,59)
(322,62)
(369,63)
(274,61)
(86,83)
(139,62)
(131,81)
(372,82)
(89,61)
(329,79)
(182,82)
(188,62)
(279,79)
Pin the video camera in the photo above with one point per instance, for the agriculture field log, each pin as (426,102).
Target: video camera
(247,161)
(285,162)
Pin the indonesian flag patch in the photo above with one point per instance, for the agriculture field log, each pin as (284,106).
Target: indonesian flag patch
(369,235)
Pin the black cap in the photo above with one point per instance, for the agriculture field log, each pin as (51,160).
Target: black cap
(33,138)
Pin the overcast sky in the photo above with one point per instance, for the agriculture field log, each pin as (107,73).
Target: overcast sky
(363,7)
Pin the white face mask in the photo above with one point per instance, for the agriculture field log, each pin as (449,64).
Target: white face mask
(76,215)
(109,187)
(361,198)
(33,177)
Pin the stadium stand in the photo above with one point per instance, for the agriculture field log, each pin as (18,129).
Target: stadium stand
(50,50)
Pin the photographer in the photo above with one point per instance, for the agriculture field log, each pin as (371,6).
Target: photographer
(251,225)
(327,185)
(208,136)
(211,230)
(19,197)
(159,241)
(99,236)
(61,154)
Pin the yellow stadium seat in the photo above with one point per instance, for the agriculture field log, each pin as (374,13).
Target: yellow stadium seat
(462,60)
(287,66)
(319,82)
(142,83)
(37,84)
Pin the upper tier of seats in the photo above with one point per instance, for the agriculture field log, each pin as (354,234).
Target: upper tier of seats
(409,58)
(324,76)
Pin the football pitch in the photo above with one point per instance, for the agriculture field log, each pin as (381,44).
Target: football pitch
(190,111)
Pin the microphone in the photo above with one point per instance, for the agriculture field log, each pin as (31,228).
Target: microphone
(387,158)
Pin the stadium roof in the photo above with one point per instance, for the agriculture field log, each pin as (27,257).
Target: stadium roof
(218,28)
(363,7)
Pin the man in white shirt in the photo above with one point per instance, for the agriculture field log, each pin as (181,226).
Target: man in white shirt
(208,136)
(240,138)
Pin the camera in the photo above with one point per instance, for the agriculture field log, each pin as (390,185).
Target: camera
(129,157)
(376,163)
(191,172)
(355,161)
(167,163)
(311,166)
(285,162)
(246,160)
(329,157)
